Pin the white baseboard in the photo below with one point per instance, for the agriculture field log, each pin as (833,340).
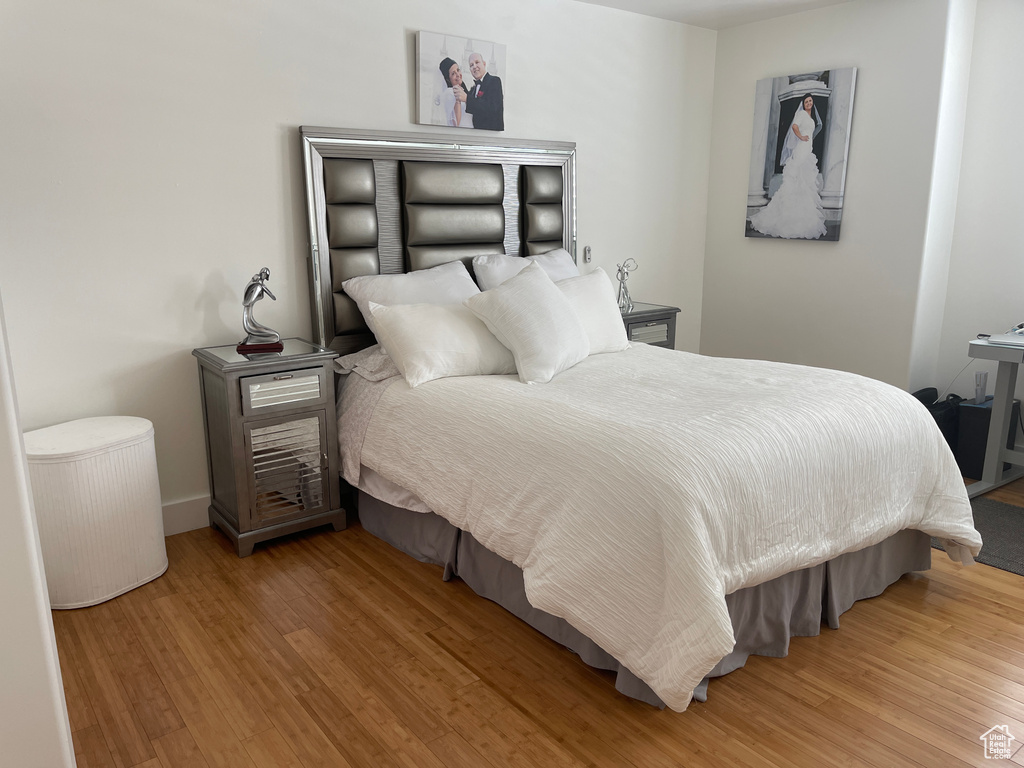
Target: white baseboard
(186,515)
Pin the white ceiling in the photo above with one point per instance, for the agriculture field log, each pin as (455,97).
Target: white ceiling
(715,14)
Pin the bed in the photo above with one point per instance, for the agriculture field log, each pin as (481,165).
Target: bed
(665,542)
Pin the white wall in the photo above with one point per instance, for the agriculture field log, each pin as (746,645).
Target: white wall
(34,730)
(851,304)
(986,275)
(152,165)
(945,185)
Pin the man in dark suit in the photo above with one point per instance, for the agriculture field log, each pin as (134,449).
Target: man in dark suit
(485,103)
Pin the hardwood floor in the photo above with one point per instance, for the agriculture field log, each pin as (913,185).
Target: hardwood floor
(332,649)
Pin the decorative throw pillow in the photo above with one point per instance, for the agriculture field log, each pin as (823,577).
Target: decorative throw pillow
(492,270)
(433,341)
(534,319)
(593,298)
(446,284)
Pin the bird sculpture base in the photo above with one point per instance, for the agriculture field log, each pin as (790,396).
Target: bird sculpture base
(265,348)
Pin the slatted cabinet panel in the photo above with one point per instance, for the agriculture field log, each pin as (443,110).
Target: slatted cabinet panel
(286,462)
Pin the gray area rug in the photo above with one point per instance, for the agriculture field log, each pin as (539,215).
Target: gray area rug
(1002,532)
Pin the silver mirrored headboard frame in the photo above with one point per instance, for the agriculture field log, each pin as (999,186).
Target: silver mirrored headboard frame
(319,144)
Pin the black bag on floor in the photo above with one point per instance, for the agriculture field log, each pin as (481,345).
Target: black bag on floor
(945,412)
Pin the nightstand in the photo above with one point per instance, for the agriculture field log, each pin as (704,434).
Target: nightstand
(653,324)
(271,441)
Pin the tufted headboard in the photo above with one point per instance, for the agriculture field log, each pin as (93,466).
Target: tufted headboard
(385,203)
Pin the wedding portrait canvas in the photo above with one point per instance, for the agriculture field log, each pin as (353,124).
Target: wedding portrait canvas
(460,82)
(799,153)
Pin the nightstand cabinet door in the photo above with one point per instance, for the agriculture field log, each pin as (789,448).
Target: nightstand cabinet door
(286,464)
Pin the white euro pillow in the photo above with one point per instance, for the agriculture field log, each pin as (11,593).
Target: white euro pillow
(534,319)
(493,269)
(593,298)
(446,284)
(434,341)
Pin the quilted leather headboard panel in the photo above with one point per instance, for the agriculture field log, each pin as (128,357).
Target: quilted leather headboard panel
(451,204)
(542,220)
(453,183)
(350,195)
(383,203)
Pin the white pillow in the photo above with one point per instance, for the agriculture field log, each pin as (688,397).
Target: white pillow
(432,341)
(493,269)
(534,319)
(447,284)
(593,298)
(557,263)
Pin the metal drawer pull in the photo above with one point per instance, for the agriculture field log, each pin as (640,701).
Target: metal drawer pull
(285,376)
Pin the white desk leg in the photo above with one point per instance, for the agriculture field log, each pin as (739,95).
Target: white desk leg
(998,428)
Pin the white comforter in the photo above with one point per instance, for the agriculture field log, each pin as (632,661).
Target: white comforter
(638,488)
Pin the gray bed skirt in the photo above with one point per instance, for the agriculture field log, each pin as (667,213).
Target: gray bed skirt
(764,617)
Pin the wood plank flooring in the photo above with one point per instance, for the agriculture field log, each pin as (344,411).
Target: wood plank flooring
(332,649)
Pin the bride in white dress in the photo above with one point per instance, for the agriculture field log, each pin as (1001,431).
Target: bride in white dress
(795,210)
(452,99)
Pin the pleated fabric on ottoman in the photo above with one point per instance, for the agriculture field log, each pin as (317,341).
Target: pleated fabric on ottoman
(97,500)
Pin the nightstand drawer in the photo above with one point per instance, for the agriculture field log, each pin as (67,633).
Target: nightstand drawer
(282,391)
(650,332)
(653,324)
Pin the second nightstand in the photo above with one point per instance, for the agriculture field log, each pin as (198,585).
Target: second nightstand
(271,441)
(651,324)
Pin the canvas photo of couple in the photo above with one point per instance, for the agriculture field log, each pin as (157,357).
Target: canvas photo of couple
(459,82)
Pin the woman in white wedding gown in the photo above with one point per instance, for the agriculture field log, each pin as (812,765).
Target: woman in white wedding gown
(452,98)
(795,210)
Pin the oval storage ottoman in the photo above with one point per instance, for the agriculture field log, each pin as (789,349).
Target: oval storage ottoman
(97,500)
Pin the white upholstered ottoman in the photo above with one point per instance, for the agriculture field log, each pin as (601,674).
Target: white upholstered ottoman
(97,500)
